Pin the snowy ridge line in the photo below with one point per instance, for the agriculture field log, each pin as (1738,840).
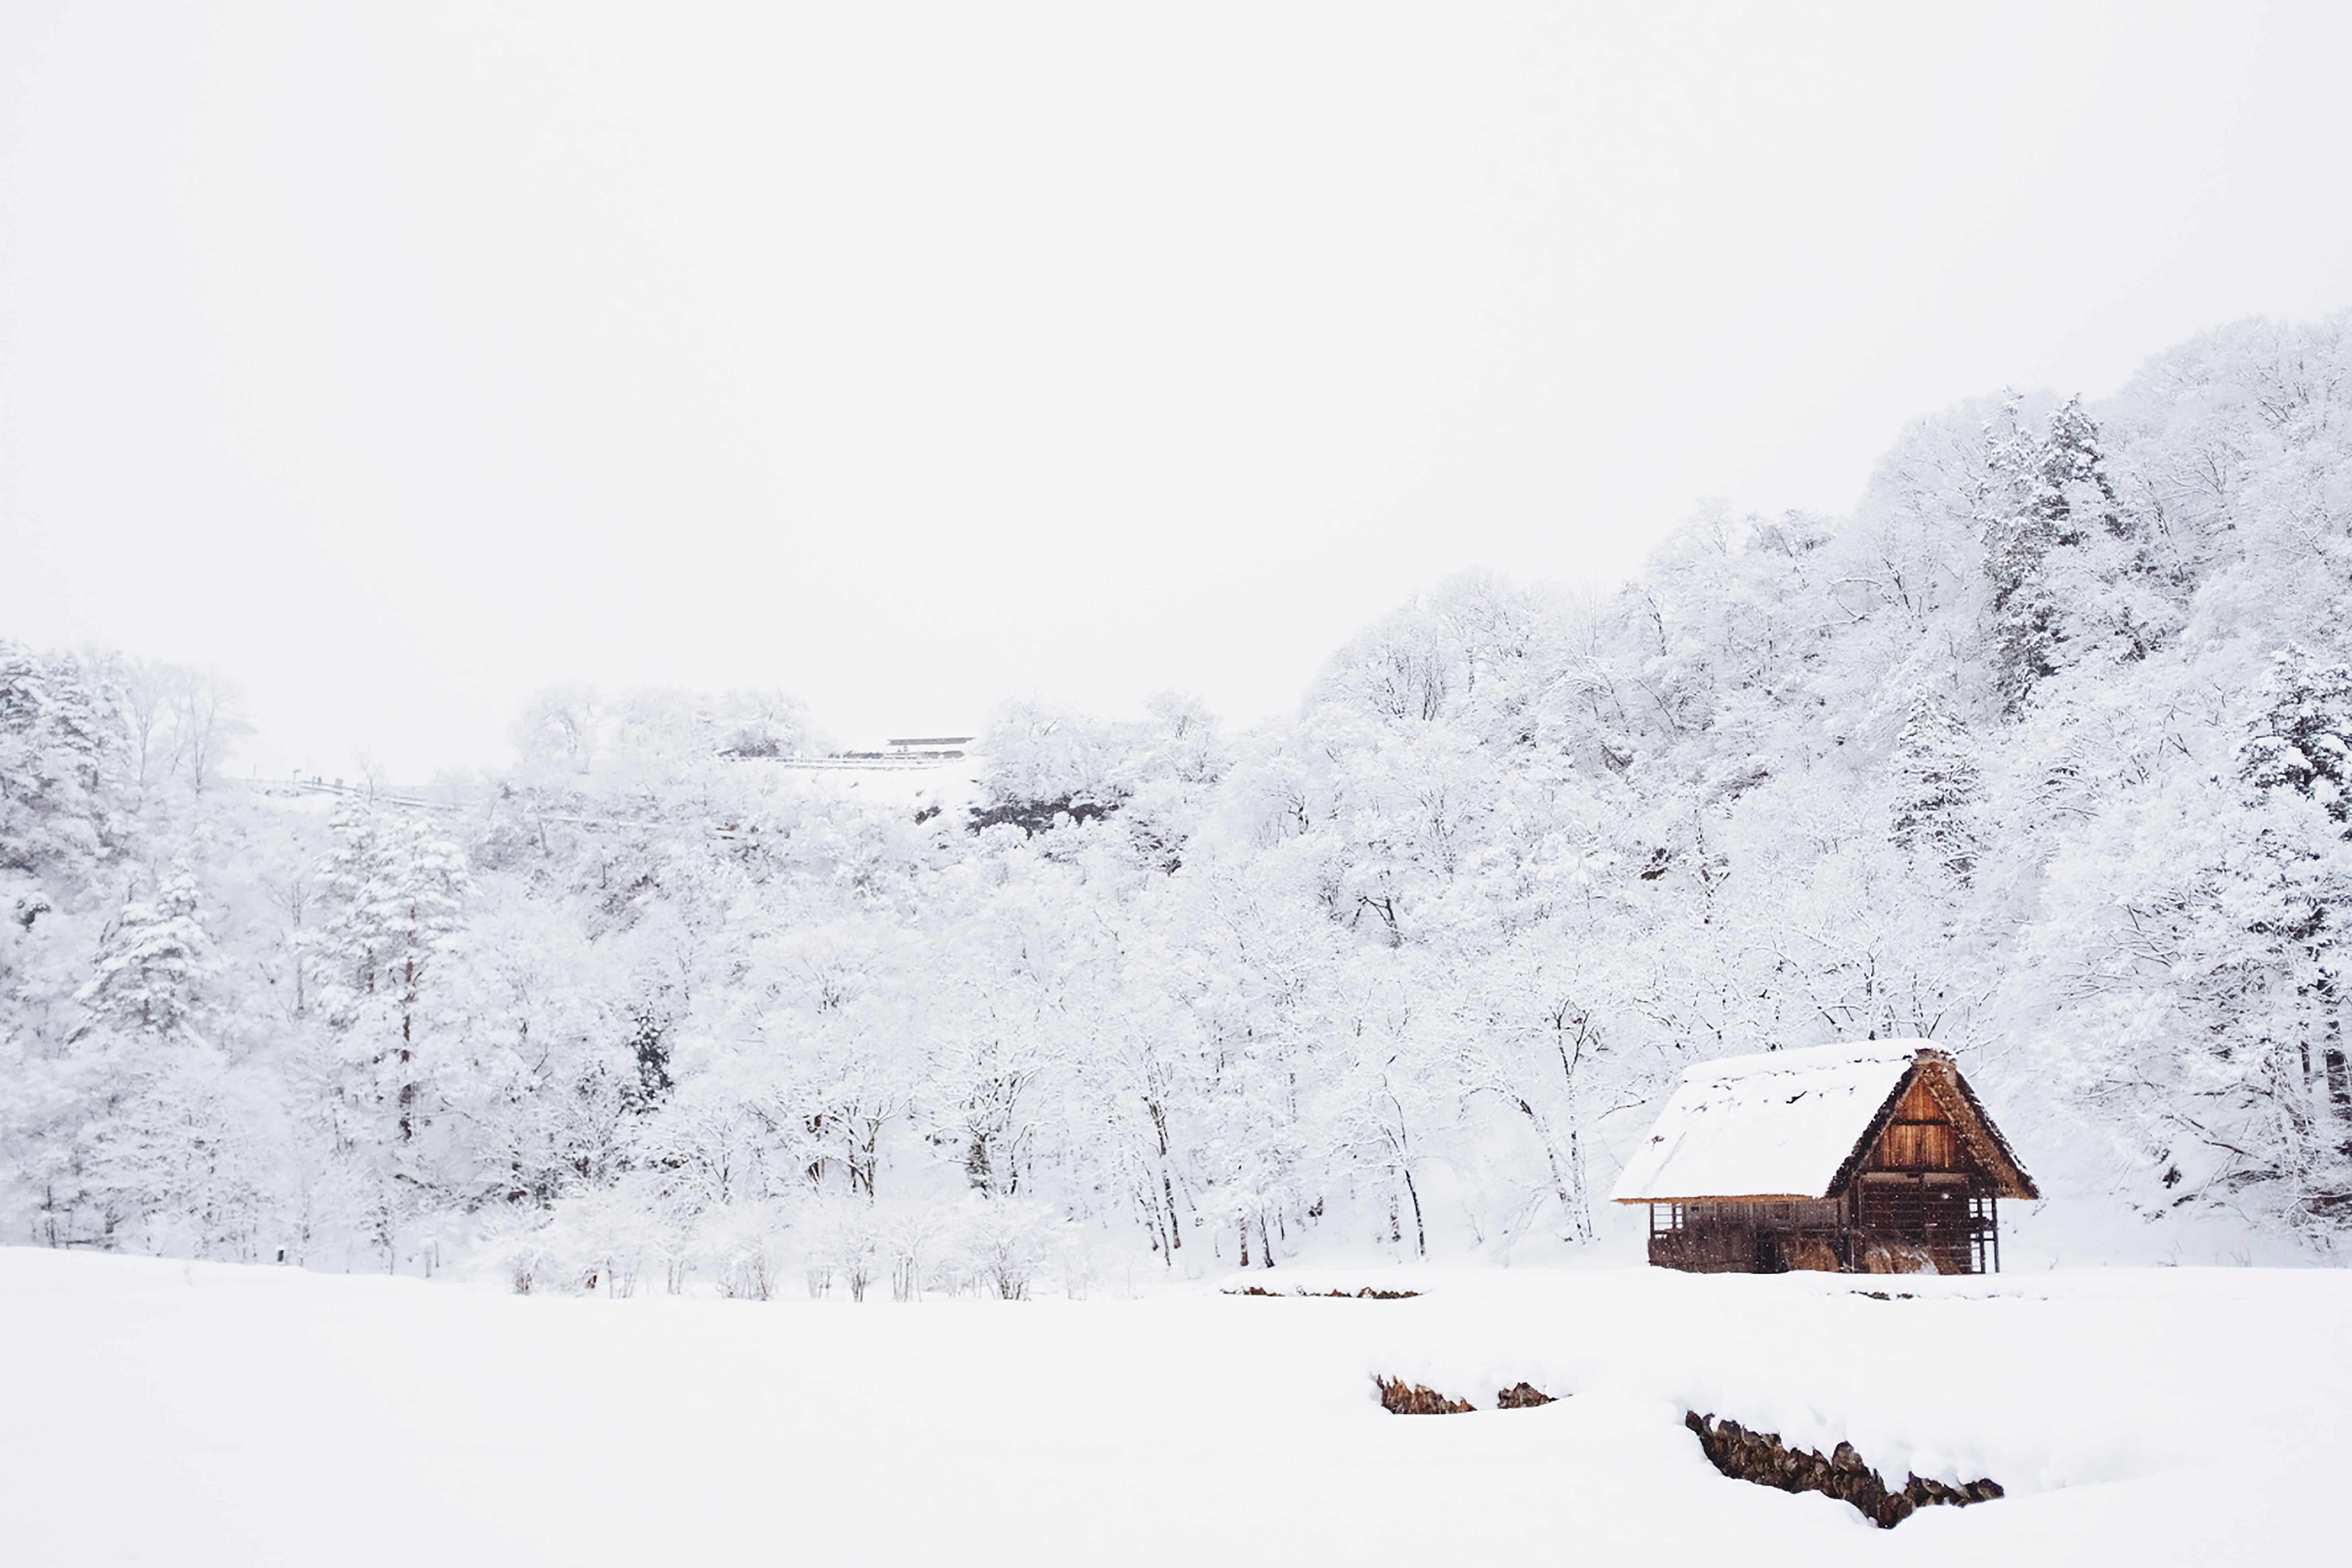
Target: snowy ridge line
(407,796)
(420,794)
(410,800)
(858,764)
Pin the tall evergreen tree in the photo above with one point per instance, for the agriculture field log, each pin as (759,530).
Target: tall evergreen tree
(151,963)
(2301,737)
(1934,777)
(394,893)
(59,739)
(2048,497)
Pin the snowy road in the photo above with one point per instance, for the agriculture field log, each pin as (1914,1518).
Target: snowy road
(184,1414)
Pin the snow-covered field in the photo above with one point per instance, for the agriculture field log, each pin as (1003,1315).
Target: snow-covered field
(175,1412)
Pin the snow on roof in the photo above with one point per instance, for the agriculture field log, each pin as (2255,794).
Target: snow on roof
(1776,1125)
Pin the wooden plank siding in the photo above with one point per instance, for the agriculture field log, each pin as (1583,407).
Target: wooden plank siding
(1921,1136)
(1918,1146)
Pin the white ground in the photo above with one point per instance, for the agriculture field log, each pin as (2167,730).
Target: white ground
(184,1414)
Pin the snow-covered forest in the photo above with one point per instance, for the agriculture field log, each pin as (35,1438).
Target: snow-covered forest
(2042,752)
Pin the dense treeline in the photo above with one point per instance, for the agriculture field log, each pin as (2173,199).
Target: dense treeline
(2042,752)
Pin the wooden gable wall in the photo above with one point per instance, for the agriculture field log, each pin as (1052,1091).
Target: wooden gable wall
(1933,1127)
(1921,1136)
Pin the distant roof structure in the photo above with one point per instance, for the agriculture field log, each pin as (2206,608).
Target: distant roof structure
(1794,1125)
(907,743)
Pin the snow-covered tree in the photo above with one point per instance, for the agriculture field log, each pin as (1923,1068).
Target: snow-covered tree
(1933,775)
(2301,738)
(151,963)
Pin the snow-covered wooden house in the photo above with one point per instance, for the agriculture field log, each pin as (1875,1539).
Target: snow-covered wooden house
(1867,1158)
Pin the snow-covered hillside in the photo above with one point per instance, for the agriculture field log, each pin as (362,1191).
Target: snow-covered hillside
(197,1414)
(2043,753)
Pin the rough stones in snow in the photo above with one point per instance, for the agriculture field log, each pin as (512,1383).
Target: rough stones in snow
(1399,1397)
(1762,1457)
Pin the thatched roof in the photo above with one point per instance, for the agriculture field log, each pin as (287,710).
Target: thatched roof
(1795,1125)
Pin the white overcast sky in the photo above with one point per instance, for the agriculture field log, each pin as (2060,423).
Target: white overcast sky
(399,360)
